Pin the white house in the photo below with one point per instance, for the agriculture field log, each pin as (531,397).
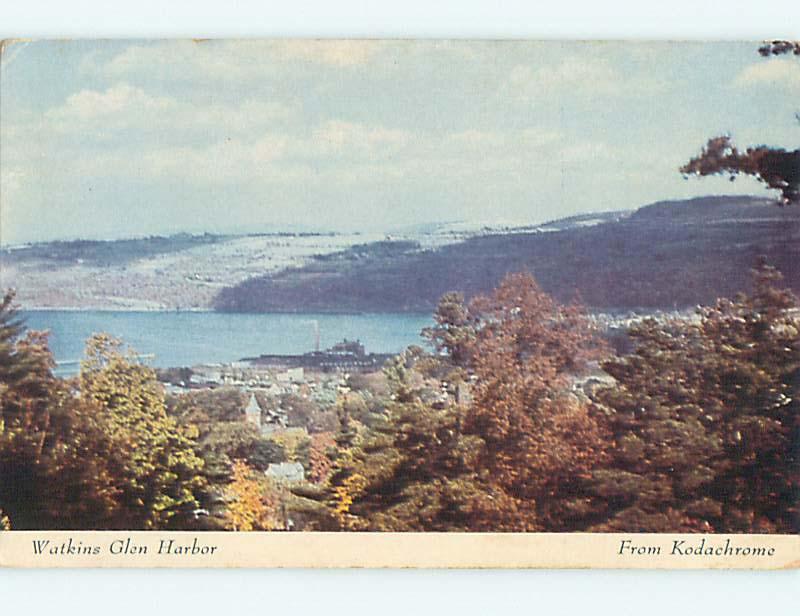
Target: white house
(289,472)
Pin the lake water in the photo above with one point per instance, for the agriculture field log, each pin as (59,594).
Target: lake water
(189,338)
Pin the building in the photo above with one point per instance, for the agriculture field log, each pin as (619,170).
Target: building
(252,412)
(348,355)
(296,375)
(288,472)
(277,420)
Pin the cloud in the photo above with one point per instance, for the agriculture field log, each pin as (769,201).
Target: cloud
(231,60)
(337,137)
(119,102)
(776,72)
(310,124)
(338,53)
(127,135)
(320,174)
(337,151)
(123,109)
(587,152)
(571,72)
(231,162)
(576,75)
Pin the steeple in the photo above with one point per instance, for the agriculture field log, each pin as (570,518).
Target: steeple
(253,411)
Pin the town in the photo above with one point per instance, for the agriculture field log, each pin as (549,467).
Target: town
(284,403)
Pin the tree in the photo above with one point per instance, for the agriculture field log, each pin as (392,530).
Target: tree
(264,452)
(206,407)
(27,388)
(252,504)
(413,473)
(539,442)
(455,329)
(319,457)
(53,471)
(511,460)
(777,48)
(152,464)
(706,421)
(775,167)
(778,168)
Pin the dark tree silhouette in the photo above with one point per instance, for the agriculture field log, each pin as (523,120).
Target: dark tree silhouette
(777,48)
(776,167)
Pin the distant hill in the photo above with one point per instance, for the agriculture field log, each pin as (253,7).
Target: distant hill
(109,253)
(671,254)
(178,272)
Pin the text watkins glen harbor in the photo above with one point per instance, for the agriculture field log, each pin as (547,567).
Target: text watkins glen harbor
(444,299)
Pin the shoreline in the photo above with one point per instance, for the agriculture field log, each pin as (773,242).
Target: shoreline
(591,311)
(108,309)
(414,313)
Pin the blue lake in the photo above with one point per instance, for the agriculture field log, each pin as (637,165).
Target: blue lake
(188,338)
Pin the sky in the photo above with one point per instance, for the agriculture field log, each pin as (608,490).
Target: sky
(109,139)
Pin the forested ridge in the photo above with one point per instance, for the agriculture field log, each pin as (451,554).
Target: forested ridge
(672,254)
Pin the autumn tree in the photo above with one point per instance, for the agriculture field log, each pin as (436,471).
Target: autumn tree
(320,456)
(153,463)
(539,442)
(27,388)
(253,502)
(706,422)
(778,47)
(778,168)
(53,471)
(513,458)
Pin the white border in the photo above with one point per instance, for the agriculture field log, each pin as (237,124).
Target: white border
(625,19)
(253,593)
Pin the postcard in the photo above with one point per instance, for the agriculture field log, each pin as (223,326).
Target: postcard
(399,303)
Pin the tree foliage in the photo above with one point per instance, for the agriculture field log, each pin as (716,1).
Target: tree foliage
(222,432)
(498,462)
(778,168)
(154,467)
(775,167)
(95,452)
(32,418)
(253,503)
(320,456)
(777,48)
(706,421)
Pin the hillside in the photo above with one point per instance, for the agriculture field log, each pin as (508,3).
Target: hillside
(177,272)
(182,271)
(105,253)
(672,254)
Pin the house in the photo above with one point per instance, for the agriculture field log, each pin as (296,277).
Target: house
(206,375)
(273,390)
(288,472)
(463,393)
(252,412)
(296,375)
(277,419)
